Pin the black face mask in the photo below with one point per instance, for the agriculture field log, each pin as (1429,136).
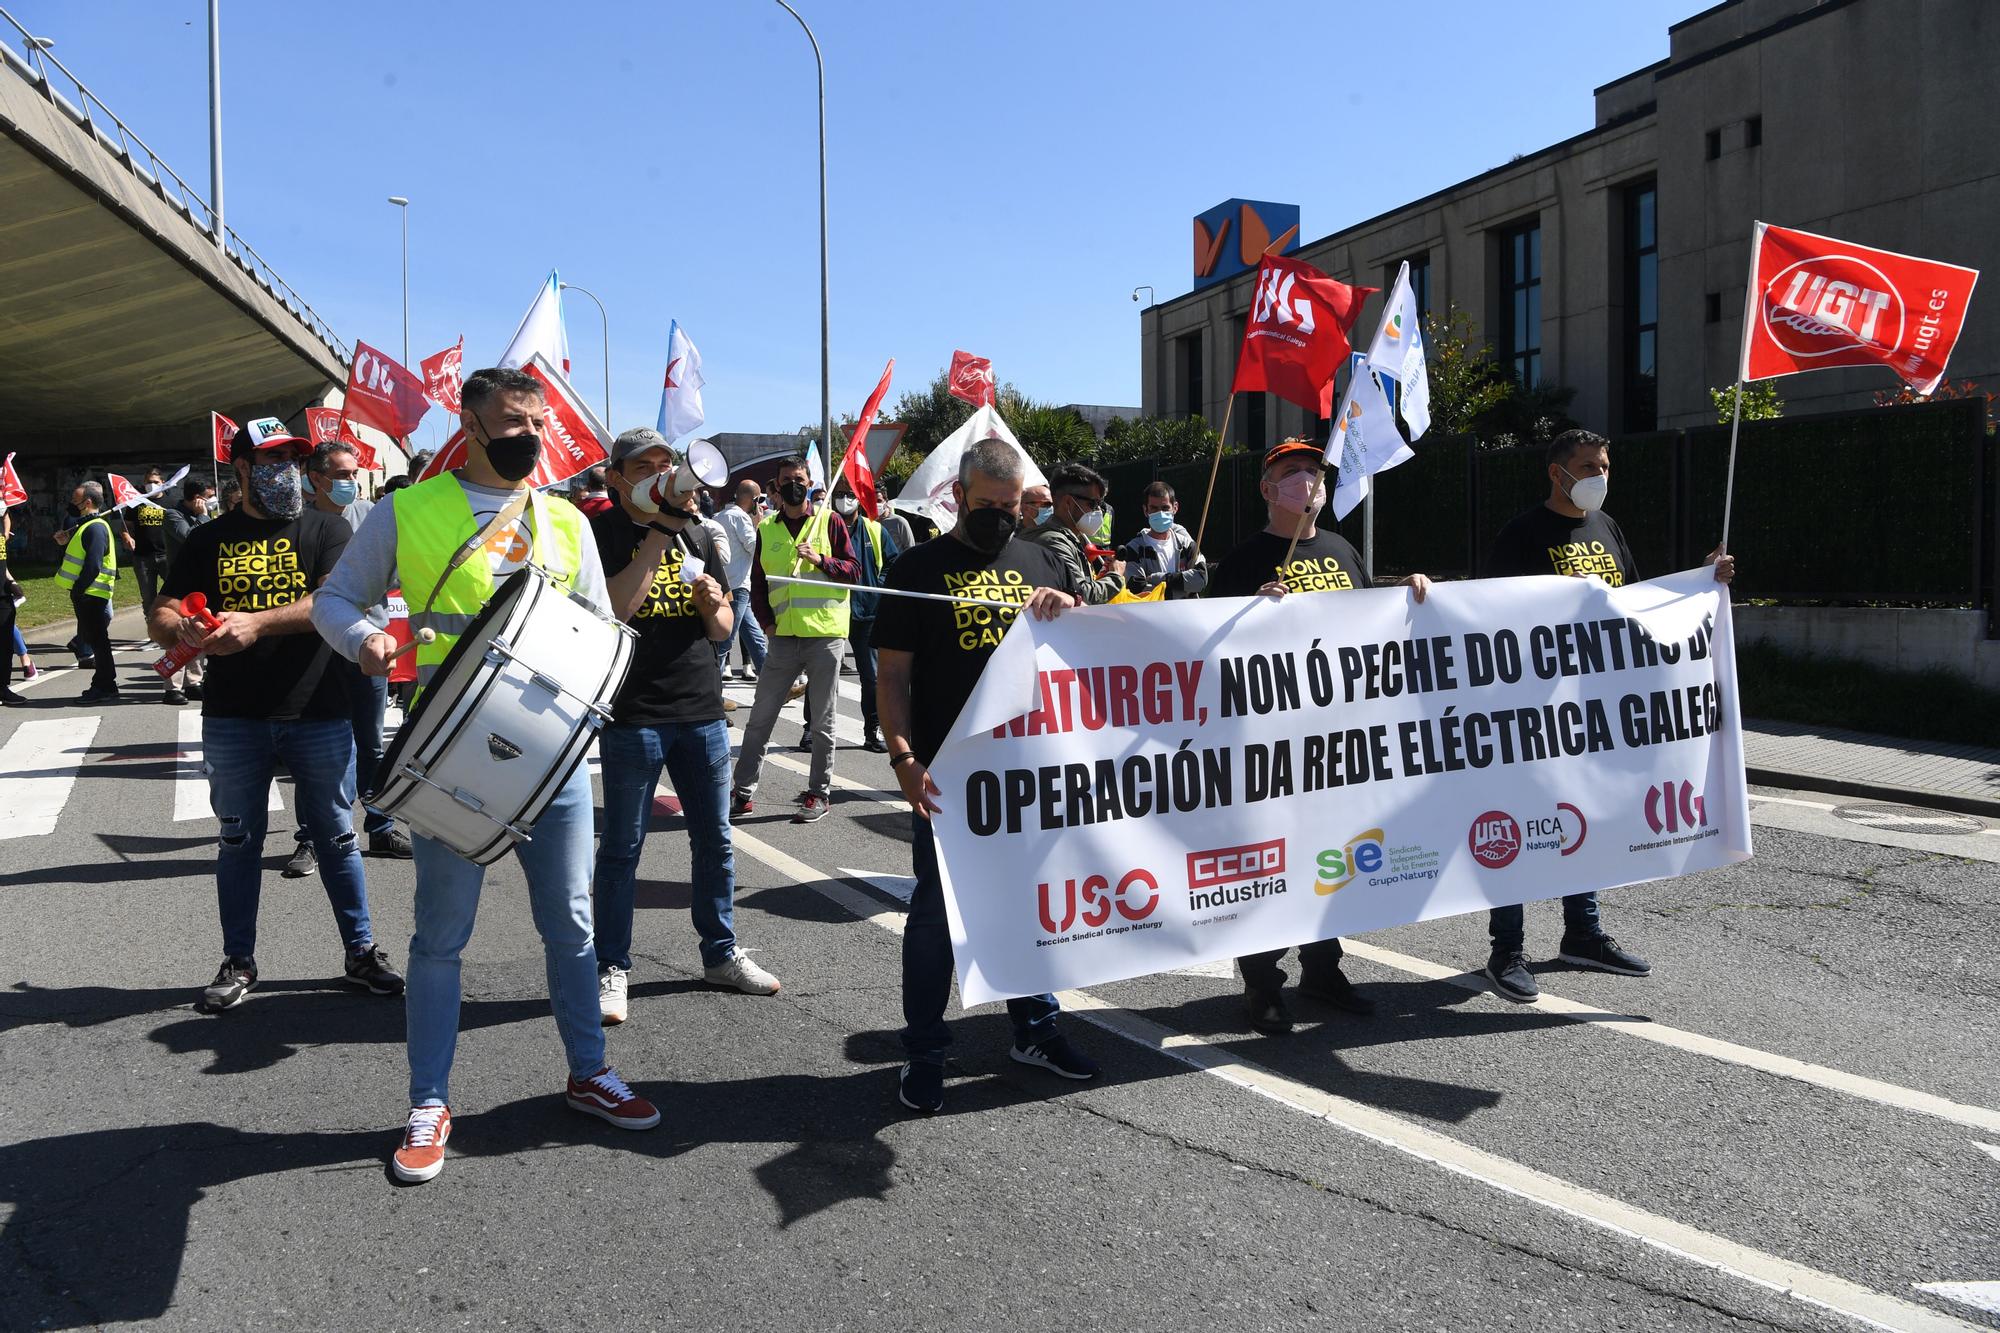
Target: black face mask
(988,530)
(514,456)
(793,492)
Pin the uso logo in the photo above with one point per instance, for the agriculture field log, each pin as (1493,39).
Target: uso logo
(1831,303)
(1494,839)
(1092,901)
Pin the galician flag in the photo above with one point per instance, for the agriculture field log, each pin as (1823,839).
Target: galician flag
(1398,352)
(541,330)
(680,391)
(1364,440)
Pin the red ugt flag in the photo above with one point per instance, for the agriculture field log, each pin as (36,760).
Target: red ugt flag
(123,492)
(854,468)
(1296,337)
(12,492)
(384,395)
(1815,303)
(971,379)
(322,425)
(443,375)
(224,431)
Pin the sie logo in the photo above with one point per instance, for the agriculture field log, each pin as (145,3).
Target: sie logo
(1337,866)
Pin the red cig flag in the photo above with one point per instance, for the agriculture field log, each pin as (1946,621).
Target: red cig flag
(971,379)
(1295,340)
(860,477)
(1816,303)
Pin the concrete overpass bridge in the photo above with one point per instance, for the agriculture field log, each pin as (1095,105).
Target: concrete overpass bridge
(123,322)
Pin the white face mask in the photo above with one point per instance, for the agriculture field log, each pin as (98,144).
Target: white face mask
(1587,493)
(845,505)
(1091,522)
(1296,492)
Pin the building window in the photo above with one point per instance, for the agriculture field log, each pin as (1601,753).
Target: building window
(1521,302)
(1712,148)
(1642,308)
(1187,372)
(1255,426)
(1711,308)
(1420,280)
(1753,131)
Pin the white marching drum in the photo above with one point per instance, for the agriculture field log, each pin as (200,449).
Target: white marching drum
(505,719)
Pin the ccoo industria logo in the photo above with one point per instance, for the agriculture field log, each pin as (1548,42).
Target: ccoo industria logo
(1830,304)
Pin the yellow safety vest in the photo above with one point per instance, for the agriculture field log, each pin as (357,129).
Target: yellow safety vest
(802,612)
(433,519)
(72,565)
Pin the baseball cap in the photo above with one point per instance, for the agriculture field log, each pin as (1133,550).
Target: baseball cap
(261,433)
(637,441)
(1286,448)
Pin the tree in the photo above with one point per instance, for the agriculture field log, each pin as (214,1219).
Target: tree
(1533,415)
(1903,394)
(1465,384)
(1760,402)
(1162,440)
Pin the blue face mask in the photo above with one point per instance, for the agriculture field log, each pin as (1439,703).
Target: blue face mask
(343,493)
(1043,515)
(1160,521)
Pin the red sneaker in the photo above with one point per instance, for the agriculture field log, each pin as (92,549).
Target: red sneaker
(606,1096)
(422,1153)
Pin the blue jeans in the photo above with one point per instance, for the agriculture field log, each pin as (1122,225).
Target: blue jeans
(748,632)
(240,754)
(557,863)
(927,966)
(367,697)
(1508,927)
(696,757)
(861,637)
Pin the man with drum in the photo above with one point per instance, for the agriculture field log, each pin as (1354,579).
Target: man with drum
(452,539)
(270,699)
(669,582)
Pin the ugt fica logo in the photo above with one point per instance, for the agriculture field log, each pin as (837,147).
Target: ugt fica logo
(1829,304)
(1672,806)
(1494,839)
(1093,900)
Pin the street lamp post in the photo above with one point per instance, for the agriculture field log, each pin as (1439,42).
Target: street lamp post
(404,205)
(215,118)
(825,374)
(606,320)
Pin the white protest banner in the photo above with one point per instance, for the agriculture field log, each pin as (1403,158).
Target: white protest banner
(1133,789)
(928,490)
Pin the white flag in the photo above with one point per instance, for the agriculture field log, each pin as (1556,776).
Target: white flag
(928,491)
(680,389)
(1364,440)
(1398,352)
(541,330)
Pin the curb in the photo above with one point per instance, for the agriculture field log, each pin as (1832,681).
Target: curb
(64,629)
(1879,791)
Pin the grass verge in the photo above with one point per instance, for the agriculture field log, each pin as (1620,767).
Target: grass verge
(1930,705)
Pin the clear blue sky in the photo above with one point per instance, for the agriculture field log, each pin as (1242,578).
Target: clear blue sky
(1002,174)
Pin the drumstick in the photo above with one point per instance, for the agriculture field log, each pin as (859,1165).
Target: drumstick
(423,636)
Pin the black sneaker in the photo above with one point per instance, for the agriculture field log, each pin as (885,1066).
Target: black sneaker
(1058,1057)
(739,804)
(173,696)
(93,695)
(371,971)
(232,982)
(303,861)
(812,808)
(193,690)
(1511,978)
(1332,986)
(871,741)
(922,1087)
(390,842)
(1604,955)
(1268,1013)
(805,744)
(9,699)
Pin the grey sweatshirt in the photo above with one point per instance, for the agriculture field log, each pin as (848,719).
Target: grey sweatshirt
(367,570)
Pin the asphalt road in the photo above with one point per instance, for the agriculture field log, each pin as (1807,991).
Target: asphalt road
(1791,1124)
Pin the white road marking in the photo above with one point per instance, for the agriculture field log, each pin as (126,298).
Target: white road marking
(1831,806)
(190,783)
(1979,1295)
(1769,1271)
(1631,1025)
(1989,1149)
(38,768)
(899,887)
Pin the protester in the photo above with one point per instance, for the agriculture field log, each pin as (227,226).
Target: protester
(146,526)
(740,519)
(394,484)
(1075,515)
(898,529)
(927,670)
(232,496)
(1164,551)
(1293,487)
(89,572)
(20,645)
(807,626)
(9,590)
(414,534)
(271,700)
(183,517)
(336,489)
(1568,533)
(875,551)
(668,714)
(590,494)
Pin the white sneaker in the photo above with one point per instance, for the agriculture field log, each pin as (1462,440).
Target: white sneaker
(746,673)
(738,973)
(611,995)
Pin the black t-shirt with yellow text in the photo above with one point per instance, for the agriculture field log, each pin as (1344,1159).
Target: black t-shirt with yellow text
(952,641)
(1541,541)
(148,525)
(675,676)
(241,563)
(1323,562)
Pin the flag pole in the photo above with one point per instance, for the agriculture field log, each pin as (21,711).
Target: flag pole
(1214,466)
(1368,534)
(1729,491)
(1305,518)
